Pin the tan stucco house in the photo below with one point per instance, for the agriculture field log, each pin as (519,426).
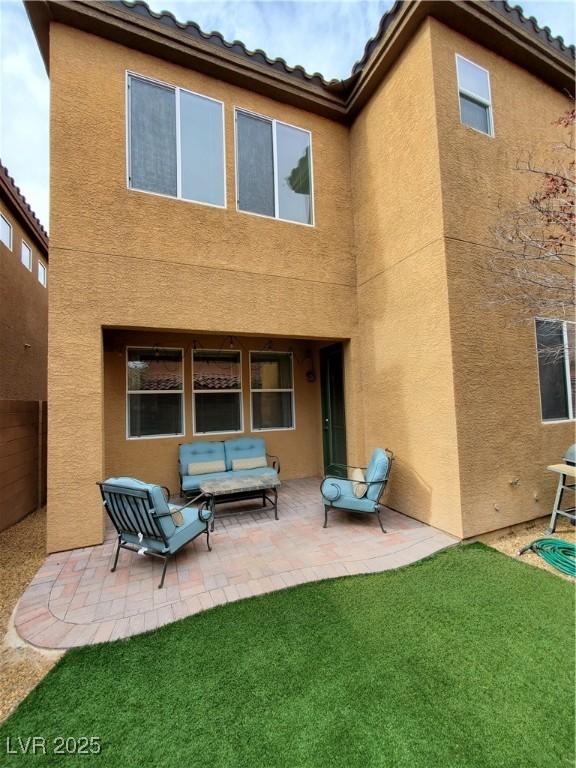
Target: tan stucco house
(23,354)
(296,258)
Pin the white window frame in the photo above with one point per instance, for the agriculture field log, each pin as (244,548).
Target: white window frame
(274,122)
(177,89)
(291,390)
(218,392)
(155,391)
(28,264)
(10,232)
(567,380)
(42,267)
(476,97)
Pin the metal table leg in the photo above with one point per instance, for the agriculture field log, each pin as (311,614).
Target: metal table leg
(563,485)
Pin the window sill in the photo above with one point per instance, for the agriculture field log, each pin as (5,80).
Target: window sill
(173,197)
(275,218)
(155,437)
(477,130)
(274,429)
(558,421)
(210,434)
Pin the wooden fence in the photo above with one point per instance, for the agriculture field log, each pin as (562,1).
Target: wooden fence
(22,459)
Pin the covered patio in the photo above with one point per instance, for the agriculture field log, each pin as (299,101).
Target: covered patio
(75,600)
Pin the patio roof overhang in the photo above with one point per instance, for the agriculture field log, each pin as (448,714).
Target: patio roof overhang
(495,25)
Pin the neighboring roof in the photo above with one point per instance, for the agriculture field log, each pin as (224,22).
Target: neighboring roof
(495,24)
(18,203)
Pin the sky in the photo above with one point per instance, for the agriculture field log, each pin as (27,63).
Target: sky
(326,37)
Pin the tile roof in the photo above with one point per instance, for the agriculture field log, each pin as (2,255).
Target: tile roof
(492,23)
(13,195)
(216,38)
(515,14)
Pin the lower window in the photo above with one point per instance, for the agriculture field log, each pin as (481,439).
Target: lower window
(272,390)
(155,392)
(217,383)
(556,343)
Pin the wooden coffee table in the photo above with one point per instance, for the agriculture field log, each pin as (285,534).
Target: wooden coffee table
(239,489)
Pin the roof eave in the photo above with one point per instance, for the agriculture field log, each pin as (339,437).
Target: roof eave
(135,31)
(478,21)
(485,23)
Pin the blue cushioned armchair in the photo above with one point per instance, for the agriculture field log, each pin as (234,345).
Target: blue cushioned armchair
(144,520)
(339,493)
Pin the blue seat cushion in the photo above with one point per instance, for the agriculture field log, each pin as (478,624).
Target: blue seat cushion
(244,448)
(192,526)
(199,452)
(339,493)
(193,482)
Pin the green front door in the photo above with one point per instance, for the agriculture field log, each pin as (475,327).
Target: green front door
(333,413)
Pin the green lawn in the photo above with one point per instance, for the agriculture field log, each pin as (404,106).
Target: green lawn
(465,659)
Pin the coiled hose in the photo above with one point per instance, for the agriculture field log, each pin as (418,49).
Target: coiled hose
(557,552)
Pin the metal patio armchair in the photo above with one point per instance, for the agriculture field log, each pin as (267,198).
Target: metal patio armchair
(144,520)
(358,495)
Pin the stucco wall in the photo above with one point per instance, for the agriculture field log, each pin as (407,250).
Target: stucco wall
(299,449)
(402,290)
(404,202)
(121,258)
(500,434)
(23,319)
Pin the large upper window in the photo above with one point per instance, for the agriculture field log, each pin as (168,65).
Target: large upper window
(273,169)
(5,232)
(155,392)
(474,95)
(26,255)
(176,142)
(217,384)
(556,345)
(271,390)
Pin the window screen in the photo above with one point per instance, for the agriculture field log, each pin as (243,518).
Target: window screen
(255,164)
(152,137)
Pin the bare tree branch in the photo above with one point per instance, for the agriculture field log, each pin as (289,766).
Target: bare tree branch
(535,268)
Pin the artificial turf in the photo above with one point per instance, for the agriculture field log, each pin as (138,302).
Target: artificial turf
(464,659)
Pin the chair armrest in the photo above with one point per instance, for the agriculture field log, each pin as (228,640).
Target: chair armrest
(274,462)
(166,492)
(204,512)
(363,482)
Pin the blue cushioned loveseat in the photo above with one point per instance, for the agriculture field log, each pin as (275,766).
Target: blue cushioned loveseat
(215,460)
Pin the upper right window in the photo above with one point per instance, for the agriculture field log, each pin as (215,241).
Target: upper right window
(555,340)
(273,169)
(474,96)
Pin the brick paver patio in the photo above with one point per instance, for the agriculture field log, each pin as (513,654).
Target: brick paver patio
(74,599)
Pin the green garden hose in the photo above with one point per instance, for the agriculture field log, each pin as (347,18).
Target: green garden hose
(557,552)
